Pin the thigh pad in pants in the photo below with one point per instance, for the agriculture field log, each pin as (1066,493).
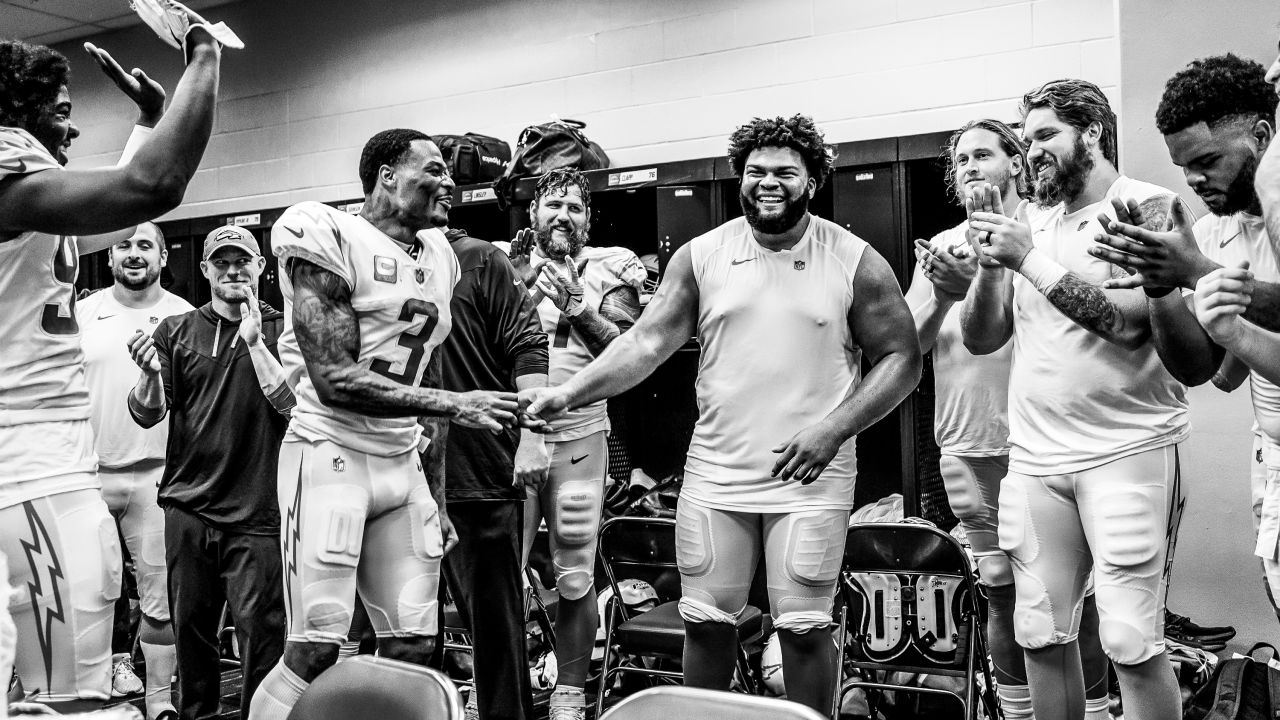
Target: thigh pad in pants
(400,569)
(803,551)
(717,552)
(64,560)
(973,491)
(572,501)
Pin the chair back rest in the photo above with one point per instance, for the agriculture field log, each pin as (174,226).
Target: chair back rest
(372,687)
(910,593)
(670,701)
(641,549)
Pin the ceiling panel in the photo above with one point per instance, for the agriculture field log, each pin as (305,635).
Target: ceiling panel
(50,21)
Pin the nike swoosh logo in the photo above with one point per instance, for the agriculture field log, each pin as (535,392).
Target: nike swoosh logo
(575,461)
(1224,243)
(21,167)
(739,262)
(296,233)
(104,317)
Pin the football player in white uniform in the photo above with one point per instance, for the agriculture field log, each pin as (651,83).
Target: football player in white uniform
(366,304)
(587,296)
(785,305)
(1217,116)
(1094,415)
(131,458)
(54,527)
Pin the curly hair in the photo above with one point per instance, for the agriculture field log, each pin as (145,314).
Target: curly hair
(30,77)
(1010,143)
(1078,103)
(560,180)
(1215,89)
(386,148)
(797,132)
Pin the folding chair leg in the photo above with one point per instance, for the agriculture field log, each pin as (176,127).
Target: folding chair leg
(610,616)
(838,690)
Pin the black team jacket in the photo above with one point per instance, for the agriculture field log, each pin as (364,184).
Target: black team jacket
(224,434)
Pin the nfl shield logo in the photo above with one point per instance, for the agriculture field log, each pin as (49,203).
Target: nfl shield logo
(799,265)
(420,276)
(384,269)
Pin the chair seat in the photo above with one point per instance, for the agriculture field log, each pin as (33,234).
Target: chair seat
(661,630)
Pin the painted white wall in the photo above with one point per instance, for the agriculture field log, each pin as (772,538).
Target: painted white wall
(655,80)
(1216,579)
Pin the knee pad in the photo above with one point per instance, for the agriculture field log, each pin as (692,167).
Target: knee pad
(1125,643)
(696,611)
(574,574)
(994,569)
(801,622)
(325,617)
(417,604)
(1033,623)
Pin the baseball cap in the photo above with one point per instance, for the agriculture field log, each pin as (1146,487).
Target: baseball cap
(230,235)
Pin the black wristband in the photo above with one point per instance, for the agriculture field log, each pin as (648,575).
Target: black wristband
(1157,292)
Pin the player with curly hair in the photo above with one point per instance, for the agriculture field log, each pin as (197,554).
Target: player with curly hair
(785,305)
(55,529)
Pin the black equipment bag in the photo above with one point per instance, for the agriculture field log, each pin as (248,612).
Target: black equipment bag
(556,144)
(1240,689)
(474,158)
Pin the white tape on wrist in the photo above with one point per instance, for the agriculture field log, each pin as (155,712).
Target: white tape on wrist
(1043,271)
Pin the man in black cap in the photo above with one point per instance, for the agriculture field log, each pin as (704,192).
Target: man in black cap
(217,369)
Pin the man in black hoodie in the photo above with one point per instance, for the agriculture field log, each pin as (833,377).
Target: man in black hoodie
(217,369)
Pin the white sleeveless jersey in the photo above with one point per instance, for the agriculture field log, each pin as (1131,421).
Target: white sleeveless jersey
(1227,241)
(971,392)
(106,326)
(401,305)
(777,357)
(41,364)
(601,270)
(1077,401)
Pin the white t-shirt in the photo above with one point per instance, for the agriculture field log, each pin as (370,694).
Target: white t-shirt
(1227,241)
(777,357)
(1077,401)
(401,306)
(106,325)
(971,392)
(604,269)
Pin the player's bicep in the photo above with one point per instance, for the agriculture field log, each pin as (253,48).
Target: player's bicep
(879,318)
(324,322)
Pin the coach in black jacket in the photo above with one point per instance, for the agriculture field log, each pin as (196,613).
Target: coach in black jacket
(215,372)
(497,343)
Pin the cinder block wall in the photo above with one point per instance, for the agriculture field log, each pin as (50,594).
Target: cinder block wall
(655,80)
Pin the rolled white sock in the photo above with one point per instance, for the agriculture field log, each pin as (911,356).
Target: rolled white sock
(162,660)
(568,696)
(277,694)
(1096,708)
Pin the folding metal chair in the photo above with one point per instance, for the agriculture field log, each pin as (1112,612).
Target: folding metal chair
(372,687)
(910,604)
(645,549)
(667,703)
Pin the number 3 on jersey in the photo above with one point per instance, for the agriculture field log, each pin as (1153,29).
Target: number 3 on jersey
(57,319)
(414,341)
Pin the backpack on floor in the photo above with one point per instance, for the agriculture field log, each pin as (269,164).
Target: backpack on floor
(474,158)
(556,144)
(1242,688)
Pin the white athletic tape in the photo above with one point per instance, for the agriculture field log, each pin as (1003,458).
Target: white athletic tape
(171,20)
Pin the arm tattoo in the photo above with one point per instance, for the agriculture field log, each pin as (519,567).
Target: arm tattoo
(329,337)
(617,314)
(1087,305)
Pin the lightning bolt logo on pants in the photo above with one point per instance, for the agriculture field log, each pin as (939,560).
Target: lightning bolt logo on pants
(290,541)
(46,598)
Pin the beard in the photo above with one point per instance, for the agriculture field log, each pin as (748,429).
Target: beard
(149,278)
(1066,178)
(556,248)
(228,295)
(1240,195)
(792,212)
